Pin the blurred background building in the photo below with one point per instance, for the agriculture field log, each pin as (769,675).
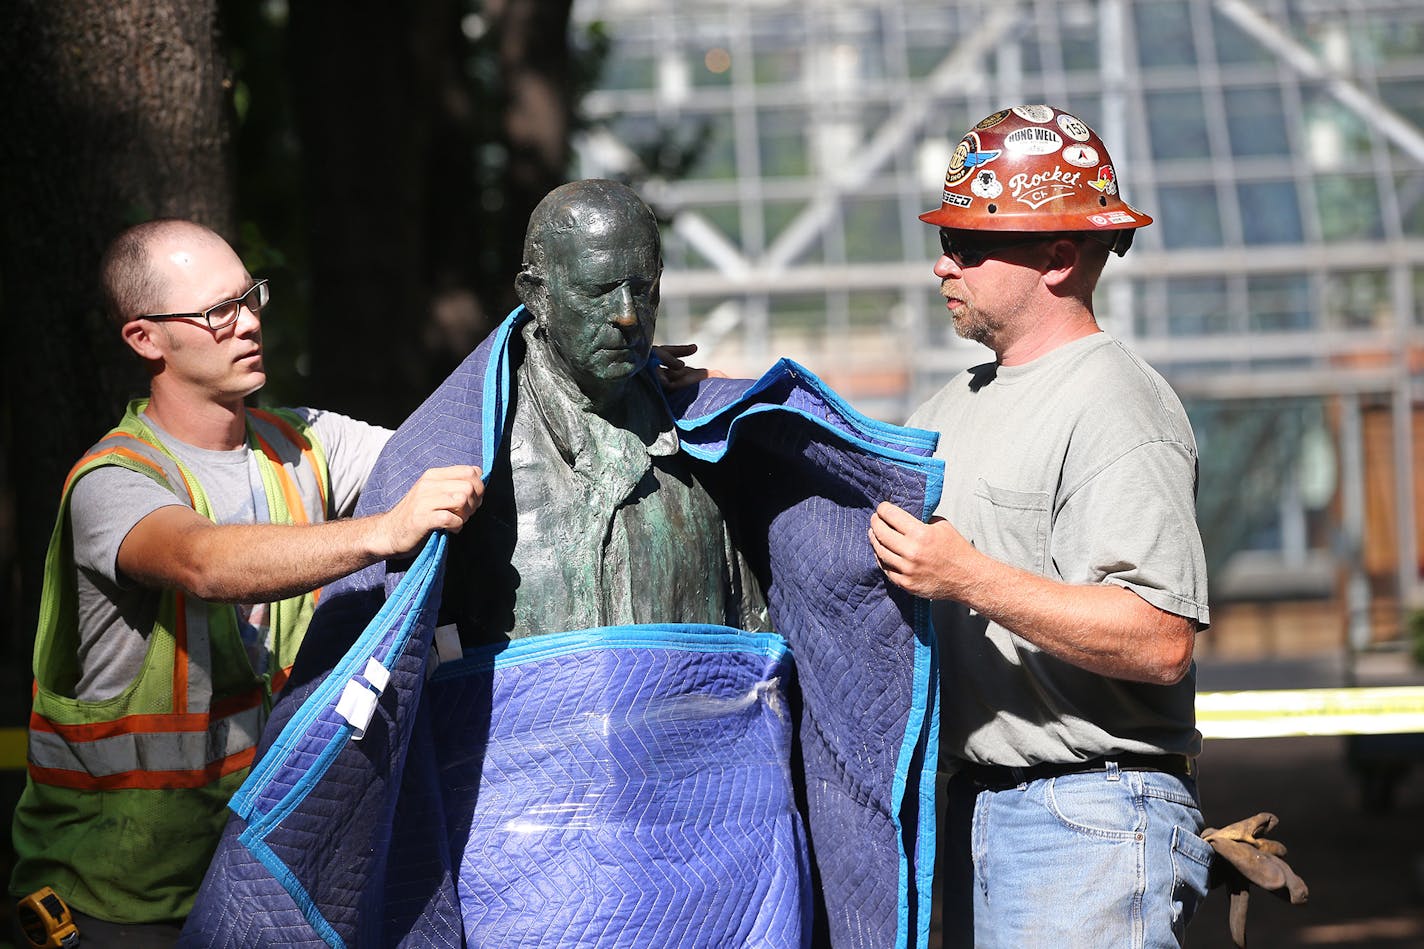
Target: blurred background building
(1279,144)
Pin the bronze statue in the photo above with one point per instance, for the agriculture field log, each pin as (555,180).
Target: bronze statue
(592,516)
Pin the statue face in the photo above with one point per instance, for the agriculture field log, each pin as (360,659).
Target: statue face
(602,301)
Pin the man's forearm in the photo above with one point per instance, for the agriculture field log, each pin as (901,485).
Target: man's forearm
(1099,627)
(1103,628)
(254,563)
(257,563)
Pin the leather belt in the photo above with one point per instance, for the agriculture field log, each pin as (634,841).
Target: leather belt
(1002,776)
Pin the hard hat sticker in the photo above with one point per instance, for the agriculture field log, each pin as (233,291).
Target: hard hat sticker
(1034,113)
(1084,156)
(1074,127)
(989,121)
(965,158)
(1033,140)
(1106,181)
(958,200)
(1037,190)
(986,184)
(978,159)
(1111,218)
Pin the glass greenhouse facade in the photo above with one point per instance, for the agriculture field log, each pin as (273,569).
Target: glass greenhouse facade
(1278,143)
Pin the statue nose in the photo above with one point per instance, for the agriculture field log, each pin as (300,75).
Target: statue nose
(625,312)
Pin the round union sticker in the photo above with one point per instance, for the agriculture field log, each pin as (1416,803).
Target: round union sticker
(1034,113)
(1074,127)
(957,170)
(1084,156)
(989,121)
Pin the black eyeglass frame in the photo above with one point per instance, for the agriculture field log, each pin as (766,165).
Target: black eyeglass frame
(259,287)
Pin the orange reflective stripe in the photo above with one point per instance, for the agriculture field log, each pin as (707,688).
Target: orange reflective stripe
(144,780)
(279,679)
(132,455)
(295,507)
(180,653)
(145,724)
(303,443)
(162,749)
(234,704)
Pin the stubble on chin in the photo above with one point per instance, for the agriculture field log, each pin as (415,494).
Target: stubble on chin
(969,321)
(975,329)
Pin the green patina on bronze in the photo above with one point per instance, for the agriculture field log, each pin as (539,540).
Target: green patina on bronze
(592,517)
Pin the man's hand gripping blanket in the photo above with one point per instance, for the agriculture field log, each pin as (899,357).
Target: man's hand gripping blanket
(627,786)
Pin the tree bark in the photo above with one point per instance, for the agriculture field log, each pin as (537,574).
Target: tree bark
(537,109)
(378,100)
(115,111)
(419,186)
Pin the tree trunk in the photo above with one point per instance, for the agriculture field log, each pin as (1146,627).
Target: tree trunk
(114,112)
(537,119)
(419,188)
(378,98)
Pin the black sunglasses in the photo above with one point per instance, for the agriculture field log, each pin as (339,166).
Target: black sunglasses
(974,251)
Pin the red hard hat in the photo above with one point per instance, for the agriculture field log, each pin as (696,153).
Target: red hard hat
(1035,168)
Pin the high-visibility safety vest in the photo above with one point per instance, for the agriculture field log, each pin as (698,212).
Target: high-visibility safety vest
(126,798)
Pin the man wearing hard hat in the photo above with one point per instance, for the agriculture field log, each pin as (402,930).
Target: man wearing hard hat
(1064,563)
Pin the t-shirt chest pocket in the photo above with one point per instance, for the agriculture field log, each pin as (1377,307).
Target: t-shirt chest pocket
(1013,525)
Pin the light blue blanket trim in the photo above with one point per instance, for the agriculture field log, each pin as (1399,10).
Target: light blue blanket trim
(911,438)
(289,882)
(914,459)
(496,389)
(686,637)
(927,693)
(414,586)
(923,721)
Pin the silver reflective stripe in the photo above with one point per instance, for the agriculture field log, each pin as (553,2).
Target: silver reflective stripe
(198,640)
(148,751)
(173,475)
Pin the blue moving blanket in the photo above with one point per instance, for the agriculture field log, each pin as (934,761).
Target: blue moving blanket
(644,785)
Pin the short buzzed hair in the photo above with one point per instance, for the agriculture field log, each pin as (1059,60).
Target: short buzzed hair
(127,276)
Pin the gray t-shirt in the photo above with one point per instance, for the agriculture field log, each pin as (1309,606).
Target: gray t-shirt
(115,614)
(1079,466)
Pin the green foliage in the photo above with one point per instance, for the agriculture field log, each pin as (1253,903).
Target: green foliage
(1415,626)
(270,211)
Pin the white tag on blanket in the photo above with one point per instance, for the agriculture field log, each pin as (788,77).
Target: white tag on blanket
(357,704)
(376,674)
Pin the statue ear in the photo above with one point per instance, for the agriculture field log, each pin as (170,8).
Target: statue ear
(529,287)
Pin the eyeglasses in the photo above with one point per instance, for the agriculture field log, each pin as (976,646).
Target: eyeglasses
(973,252)
(224,314)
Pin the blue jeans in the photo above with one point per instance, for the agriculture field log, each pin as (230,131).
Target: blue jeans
(1107,858)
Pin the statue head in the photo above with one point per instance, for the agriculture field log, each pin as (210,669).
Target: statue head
(592,262)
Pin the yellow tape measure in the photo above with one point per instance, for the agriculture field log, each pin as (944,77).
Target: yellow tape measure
(1267,713)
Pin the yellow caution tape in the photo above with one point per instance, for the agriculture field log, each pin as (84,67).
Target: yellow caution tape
(1267,713)
(1277,713)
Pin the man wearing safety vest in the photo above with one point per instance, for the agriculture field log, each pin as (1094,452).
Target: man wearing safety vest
(189,551)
